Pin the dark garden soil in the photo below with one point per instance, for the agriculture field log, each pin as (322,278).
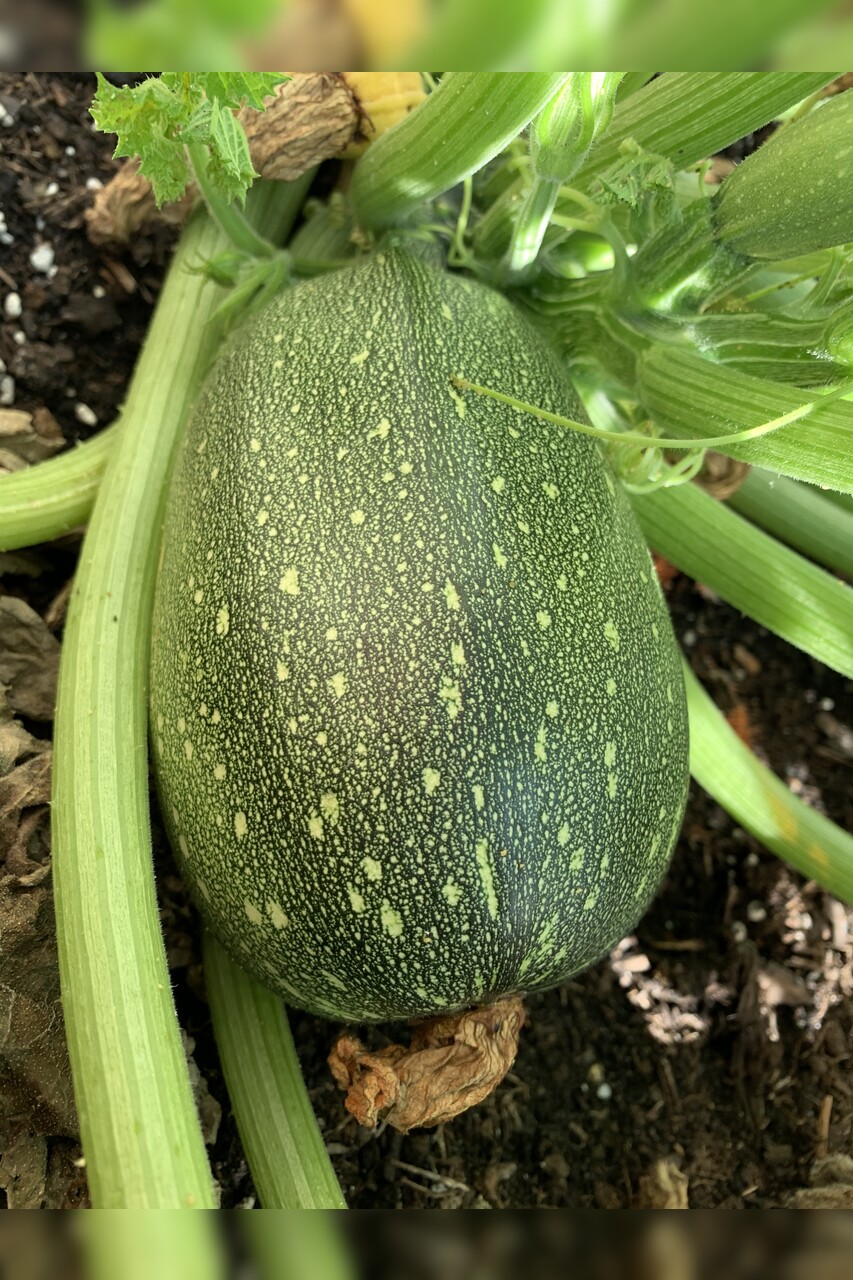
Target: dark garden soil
(716,1039)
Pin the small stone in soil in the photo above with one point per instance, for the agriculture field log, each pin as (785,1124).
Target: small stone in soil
(84,414)
(7,389)
(41,258)
(12,306)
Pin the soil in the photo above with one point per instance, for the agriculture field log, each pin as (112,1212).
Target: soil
(707,1056)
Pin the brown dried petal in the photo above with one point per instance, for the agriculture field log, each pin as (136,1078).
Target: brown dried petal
(452,1063)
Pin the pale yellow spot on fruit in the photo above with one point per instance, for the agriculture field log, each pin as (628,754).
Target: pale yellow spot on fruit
(219,772)
(612,634)
(215,718)
(276,915)
(484,866)
(357,517)
(458,401)
(360,357)
(241,826)
(576,860)
(543,618)
(182,725)
(338,684)
(446,312)
(611,686)
(321,739)
(451,891)
(255,445)
(552,709)
(499,484)
(282,671)
(380,431)
(188,749)
(550,490)
(315,827)
(223,621)
(562,583)
(289,582)
(479,797)
(392,921)
(183,846)
(356,900)
(432,777)
(457,654)
(500,558)
(540,745)
(332,633)
(611,785)
(451,696)
(451,595)
(330,807)
(198,596)
(262,516)
(372,869)
(406,468)
(160,721)
(563,835)
(610,755)
(252,912)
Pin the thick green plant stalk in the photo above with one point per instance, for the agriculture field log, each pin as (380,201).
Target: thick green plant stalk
(800,515)
(166,1244)
(44,501)
(285,1245)
(467,121)
(278,1129)
(762,804)
(688,115)
(794,195)
(687,395)
(138,1122)
(780,589)
(679,32)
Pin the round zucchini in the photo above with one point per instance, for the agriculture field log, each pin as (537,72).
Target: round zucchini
(417,711)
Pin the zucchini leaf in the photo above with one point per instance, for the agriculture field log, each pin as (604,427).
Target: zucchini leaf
(687,395)
(767,581)
(761,802)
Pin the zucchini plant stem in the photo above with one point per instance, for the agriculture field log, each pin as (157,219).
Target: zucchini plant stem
(464,124)
(278,1130)
(225,213)
(531,225)
(138,1122)
(48,499)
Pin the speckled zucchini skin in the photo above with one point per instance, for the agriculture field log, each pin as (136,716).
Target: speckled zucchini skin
(417,711)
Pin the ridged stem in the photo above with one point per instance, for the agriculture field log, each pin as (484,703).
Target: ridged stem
(49,498)
(278,1129)
(460,127)
(760,802)
(138,1123)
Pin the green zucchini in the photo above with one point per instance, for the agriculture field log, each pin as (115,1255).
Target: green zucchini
(418,717)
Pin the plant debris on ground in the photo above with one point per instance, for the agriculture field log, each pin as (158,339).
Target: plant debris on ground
(705,1061)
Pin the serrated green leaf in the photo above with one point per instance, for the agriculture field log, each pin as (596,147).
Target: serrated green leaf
(157,118)
(233,88)
(230,166)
